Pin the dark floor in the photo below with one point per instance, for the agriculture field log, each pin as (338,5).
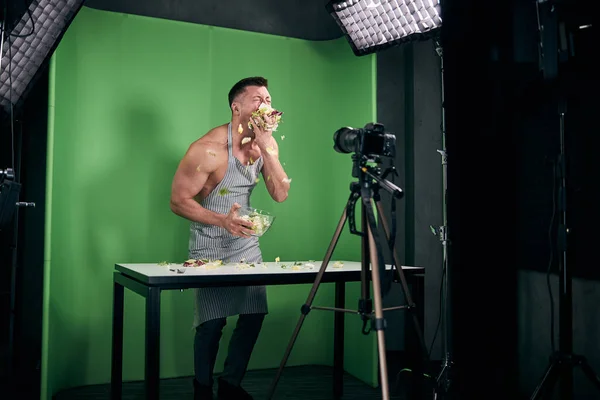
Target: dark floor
(302,382)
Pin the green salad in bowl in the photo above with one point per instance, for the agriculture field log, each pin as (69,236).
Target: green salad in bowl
(261,220)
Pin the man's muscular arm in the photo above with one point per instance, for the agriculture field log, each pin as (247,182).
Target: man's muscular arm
(275,177)
(191,176)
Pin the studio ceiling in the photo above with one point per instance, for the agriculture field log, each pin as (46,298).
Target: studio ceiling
(303,19)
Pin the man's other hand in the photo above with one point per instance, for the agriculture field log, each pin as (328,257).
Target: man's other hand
(236,225)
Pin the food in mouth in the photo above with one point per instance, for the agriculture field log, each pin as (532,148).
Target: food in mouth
(266,117)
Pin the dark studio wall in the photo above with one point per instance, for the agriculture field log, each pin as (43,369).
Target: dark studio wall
(292,18)
(30,135)
(536,127)
(502,126)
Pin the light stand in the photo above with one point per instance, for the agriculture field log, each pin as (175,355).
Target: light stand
(444,378)
(555,38)
(367,190)
(10,189)
(563,361)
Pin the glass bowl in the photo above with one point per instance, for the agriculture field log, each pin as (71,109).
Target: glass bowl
(261,220)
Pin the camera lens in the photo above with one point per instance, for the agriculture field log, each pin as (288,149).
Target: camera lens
(344,140)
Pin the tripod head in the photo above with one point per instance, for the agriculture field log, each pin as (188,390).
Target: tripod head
(370,180)
(367,188)
(374,179)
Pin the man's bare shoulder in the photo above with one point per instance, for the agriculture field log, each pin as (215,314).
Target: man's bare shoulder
(215,136)
(210,150)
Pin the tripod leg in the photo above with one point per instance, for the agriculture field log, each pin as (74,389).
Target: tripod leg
(589,373)
(338,341)
(417,387)
(311,296)
(365,305)
(566,380)
(548,381)
(401,276)
(379,321)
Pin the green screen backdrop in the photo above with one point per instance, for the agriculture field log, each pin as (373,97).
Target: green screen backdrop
(128,95)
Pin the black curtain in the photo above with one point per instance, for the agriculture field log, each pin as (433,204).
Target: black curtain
(477,42)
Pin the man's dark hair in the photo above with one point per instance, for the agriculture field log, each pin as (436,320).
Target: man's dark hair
(241,86)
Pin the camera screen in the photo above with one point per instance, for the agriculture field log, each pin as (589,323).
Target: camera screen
(373,144)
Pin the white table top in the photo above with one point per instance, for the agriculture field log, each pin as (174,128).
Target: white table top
(239,273)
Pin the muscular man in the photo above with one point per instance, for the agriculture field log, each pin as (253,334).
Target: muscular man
(214,179)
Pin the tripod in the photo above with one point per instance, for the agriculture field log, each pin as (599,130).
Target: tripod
(367,188)
(563,361)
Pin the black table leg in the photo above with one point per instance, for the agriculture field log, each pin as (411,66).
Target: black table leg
(412,342)
(338,341)
(152,343)
(116,378)
(420,296)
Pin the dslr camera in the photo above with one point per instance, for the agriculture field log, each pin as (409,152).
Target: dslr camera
(372,141)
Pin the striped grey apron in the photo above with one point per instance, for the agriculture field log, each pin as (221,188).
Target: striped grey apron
(216,243)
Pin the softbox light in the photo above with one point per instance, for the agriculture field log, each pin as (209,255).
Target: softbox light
(372,25)
(31,31)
